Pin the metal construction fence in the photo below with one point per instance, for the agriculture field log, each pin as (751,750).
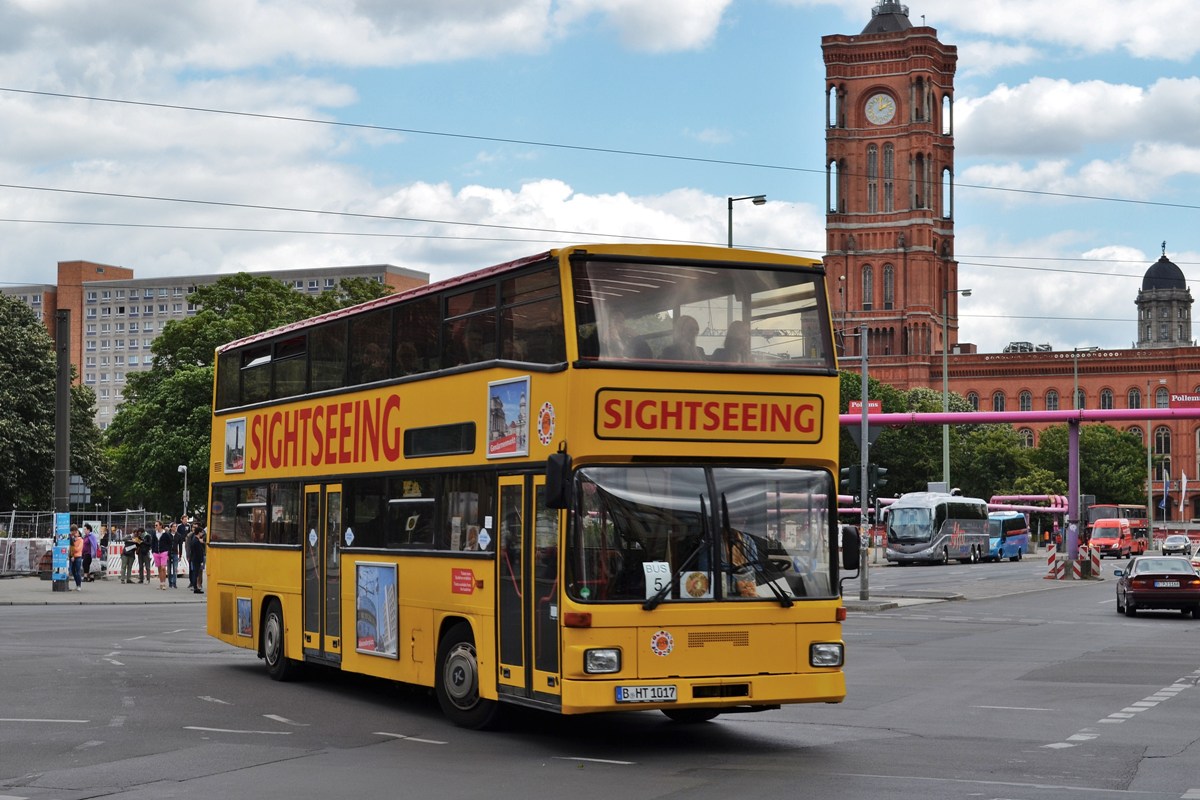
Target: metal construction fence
(27,537)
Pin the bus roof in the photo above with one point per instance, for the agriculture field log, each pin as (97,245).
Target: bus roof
(927,499)
(631,250)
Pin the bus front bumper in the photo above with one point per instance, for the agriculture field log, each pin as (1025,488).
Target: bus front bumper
(731,692)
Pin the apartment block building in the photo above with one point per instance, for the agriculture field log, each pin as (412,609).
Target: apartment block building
(116,316)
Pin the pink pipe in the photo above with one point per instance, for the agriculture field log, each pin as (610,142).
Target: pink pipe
(1011,417)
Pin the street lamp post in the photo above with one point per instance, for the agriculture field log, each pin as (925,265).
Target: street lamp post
(1150,472)
(757,199)
(946,379)
(183,468)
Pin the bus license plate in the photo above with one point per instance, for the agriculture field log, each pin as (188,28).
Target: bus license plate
(646,694)
(1166,584)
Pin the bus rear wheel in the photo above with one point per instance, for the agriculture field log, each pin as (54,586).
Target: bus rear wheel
(690,716)
(457,683)
(279,666)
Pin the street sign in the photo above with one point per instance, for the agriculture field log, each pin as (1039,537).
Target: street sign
(873,407)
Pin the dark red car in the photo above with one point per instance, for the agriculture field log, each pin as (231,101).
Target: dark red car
(1156,582)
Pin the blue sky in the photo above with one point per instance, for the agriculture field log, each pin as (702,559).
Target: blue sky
(1071,98)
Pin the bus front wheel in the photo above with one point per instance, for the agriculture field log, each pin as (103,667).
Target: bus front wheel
(457,683)
(279,666)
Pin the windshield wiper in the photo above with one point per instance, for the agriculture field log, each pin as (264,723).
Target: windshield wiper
(655,599)
(750,558)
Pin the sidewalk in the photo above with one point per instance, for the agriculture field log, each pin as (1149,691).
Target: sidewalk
(32,591)
(852,603)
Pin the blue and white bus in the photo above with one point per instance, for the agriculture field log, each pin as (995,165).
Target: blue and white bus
(934,527)
(1008,533)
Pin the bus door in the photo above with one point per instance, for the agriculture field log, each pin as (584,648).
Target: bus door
(323,572)
(528,587)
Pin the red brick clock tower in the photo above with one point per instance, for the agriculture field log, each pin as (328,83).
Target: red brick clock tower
(890,167)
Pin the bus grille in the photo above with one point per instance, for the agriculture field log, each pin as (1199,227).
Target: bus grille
(702,638)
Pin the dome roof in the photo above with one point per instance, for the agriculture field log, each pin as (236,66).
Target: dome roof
(1163,274)
(888,17)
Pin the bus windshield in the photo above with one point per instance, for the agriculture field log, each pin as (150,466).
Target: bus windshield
(1101,512)
(643,529)
(767,317)
(909,524)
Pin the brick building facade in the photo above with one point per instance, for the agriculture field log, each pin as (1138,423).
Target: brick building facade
(891,265)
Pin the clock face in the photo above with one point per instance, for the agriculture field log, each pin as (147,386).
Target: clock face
(880,109)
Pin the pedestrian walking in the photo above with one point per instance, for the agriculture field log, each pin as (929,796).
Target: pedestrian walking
(76,556)
(177,543)
(129,549)
(91,549)
(161,545)
(196,552)
(143,557)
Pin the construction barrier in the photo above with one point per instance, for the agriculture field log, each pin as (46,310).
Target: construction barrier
(1096,562)
(1053,566)
(1077,566)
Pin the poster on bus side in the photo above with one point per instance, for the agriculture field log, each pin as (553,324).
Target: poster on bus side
(376,626)
(508,418)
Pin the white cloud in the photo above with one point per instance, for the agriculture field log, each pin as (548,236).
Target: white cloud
(658,26)
(1146,29)
(984,57)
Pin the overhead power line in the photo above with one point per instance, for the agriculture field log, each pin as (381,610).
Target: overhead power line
(564,146)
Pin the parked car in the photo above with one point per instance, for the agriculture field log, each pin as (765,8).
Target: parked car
(1177,544)
(1158,582)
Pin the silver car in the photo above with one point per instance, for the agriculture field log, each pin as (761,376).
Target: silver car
(1177,544)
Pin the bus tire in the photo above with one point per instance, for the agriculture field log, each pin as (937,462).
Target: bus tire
(945,556)
(279,666)
(690,716)
(457,681)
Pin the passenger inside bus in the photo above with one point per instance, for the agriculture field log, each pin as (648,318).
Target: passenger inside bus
(683,345)
(737,344)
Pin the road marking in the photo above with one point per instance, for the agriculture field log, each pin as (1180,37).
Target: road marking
(233,730)
(114,662)
(408,738)
(1014,708)
(88,745)
(135,638)
(1190,794)
(285,720)
(595,760)
(116,722)
(34,719)
(208,699)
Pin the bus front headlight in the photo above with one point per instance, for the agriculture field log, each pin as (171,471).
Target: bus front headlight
(601,660)
(826,654)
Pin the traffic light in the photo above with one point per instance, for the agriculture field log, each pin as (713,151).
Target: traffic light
(851,480)
(876,478)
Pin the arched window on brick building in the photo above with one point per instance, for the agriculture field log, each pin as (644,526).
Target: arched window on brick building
(1135,398)
(1051,400)
(997,401)
(1026,437)
(1106,399)
(1025,401)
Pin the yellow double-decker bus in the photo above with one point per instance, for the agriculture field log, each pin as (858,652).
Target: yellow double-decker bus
(598,478)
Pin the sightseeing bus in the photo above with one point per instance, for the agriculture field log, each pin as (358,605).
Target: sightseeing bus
(599,478)
(935,527)
(1139,524)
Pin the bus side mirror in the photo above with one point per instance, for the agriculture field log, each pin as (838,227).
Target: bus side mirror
(558,480)
(851,550)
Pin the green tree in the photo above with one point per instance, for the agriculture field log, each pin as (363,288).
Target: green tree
(1112,463)
(165,419)
(991,461)
(27,370)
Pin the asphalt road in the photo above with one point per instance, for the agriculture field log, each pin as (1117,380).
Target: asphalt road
(1023,689)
